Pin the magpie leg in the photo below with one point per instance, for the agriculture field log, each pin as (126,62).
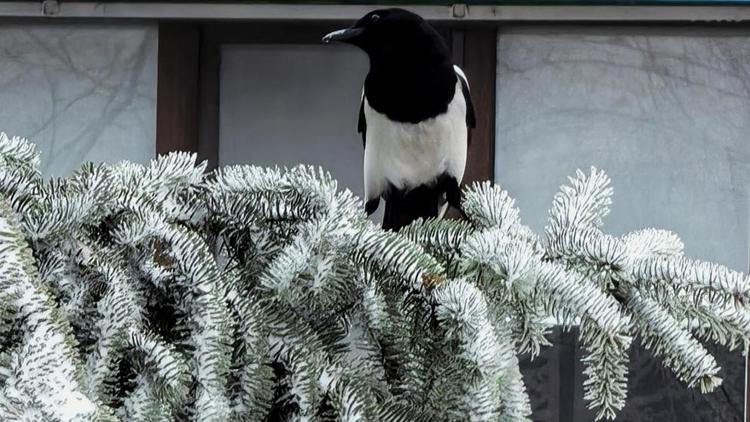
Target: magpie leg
(372,205)
(461,211)
(453,195)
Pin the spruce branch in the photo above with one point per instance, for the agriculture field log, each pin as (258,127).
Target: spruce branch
(497,391)
(487,205)
(664,336)
(160,292)
(390,254)
(44,375)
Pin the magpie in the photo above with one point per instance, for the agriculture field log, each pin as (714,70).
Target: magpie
(414,117)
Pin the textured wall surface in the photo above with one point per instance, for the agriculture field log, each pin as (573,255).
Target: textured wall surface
(665,112)
(82,92)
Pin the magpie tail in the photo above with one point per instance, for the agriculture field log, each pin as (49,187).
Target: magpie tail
(425,201)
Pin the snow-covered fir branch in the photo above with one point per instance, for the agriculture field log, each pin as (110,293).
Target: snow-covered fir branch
(163,292)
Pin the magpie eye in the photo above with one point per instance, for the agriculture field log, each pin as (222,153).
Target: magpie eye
(374,18)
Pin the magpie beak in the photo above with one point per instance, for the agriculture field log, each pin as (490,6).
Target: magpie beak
(342,35)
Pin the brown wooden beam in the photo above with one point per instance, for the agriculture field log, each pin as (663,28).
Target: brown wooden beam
(479,64)
(208,115)
(177,88)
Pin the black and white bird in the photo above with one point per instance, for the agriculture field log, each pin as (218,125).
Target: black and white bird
(414,117)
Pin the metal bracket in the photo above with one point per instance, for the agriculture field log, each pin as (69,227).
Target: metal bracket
(459,10)
(50,7)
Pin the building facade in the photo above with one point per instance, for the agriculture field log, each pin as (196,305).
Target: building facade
(656,93)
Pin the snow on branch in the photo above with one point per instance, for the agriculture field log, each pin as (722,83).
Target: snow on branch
(162,292)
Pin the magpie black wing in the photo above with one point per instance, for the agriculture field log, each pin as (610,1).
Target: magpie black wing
(471,120)
(362,123)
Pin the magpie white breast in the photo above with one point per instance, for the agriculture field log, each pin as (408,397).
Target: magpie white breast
(414,118)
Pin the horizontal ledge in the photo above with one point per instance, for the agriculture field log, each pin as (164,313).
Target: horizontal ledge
(477,13)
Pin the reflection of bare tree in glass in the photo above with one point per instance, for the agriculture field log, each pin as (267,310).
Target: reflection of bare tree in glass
(717,65)
(78,81)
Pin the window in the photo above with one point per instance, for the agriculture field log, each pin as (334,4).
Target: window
(80,92)
(664,111)
(286,104)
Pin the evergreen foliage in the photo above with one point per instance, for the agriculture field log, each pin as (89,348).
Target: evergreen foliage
(160,292)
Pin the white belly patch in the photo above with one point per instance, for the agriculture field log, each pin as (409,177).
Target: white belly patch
(407,155)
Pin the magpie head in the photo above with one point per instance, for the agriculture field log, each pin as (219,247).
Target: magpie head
(392,35)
